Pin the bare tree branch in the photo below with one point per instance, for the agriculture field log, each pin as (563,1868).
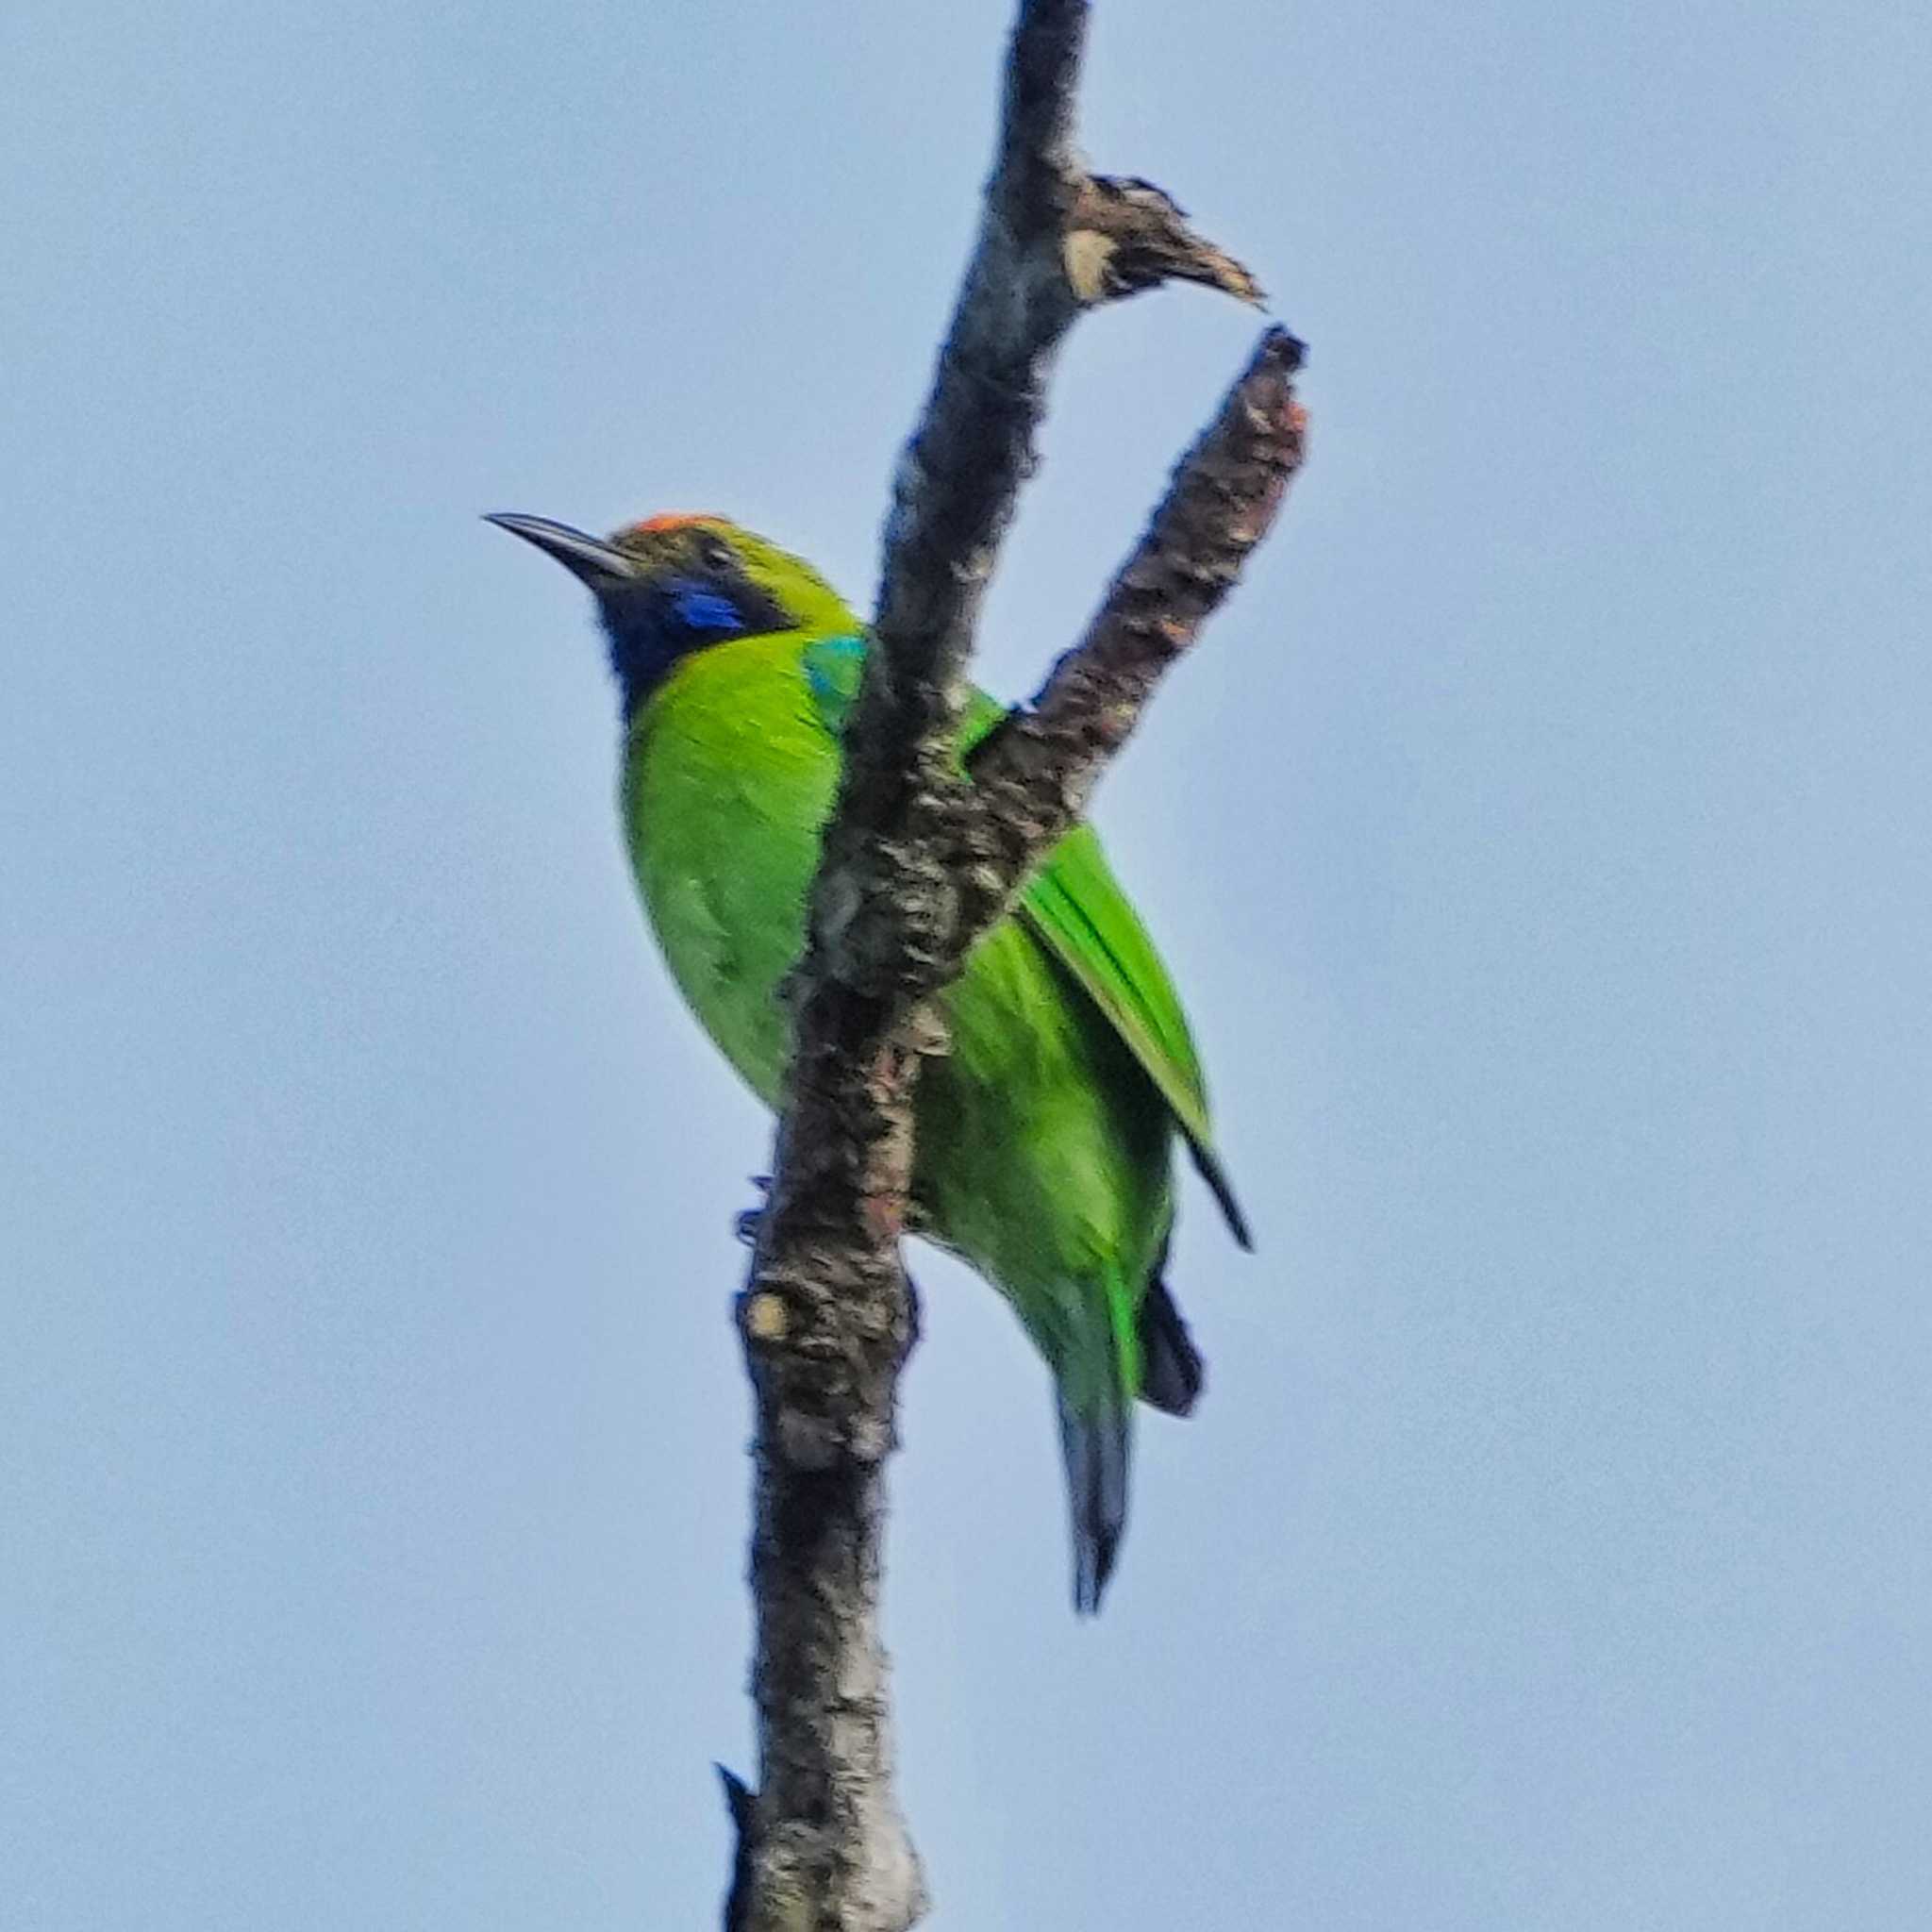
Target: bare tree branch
(828,1316)
(1032,778)
(1126,235)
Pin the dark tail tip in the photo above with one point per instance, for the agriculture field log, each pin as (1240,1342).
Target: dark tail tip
(1096,1450)
(1172,1370)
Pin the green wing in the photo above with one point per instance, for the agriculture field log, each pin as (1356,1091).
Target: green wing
(1075,906)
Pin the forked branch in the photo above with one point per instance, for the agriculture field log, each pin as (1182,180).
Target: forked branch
(915,865)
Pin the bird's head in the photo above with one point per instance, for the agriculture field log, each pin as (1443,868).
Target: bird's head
(673,585)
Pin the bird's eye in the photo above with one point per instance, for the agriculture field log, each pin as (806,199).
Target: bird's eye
(715,553)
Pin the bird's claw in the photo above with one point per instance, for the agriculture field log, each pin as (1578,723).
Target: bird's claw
(745,1225)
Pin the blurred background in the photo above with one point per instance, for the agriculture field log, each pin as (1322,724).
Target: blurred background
(1542,839)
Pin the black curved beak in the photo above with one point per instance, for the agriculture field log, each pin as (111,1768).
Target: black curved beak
(595,562)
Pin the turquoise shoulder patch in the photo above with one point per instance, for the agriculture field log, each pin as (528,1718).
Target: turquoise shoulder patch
(832,674)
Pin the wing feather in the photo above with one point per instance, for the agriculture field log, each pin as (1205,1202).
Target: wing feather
(1076,908)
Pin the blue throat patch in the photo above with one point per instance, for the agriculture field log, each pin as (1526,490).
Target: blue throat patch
(698,608)
(653,625)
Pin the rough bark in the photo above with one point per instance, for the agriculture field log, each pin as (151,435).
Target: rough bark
(914,866)
(1032,777)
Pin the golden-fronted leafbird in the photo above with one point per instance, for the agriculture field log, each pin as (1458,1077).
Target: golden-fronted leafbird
(1045,1134)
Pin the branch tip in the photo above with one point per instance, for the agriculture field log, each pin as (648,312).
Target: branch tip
(1284,349)
(1124,235)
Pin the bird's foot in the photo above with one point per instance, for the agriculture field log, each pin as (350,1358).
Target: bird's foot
(746,1225)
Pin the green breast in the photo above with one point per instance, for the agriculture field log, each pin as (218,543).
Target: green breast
(1044,1149)
(727,777)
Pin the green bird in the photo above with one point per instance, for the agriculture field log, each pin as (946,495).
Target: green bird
(1045,1135)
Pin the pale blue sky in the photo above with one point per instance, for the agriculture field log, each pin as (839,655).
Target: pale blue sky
(1542,839)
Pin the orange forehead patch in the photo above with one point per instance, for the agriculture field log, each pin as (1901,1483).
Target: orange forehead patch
(672,520)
